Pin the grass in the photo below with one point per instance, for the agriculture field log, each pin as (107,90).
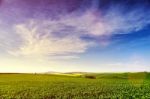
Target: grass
(48,86)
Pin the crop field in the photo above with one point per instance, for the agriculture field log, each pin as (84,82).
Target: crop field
(70,86)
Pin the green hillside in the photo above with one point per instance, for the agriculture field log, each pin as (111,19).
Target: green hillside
(53,86)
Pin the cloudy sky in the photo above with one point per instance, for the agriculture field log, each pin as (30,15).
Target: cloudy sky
(74,35)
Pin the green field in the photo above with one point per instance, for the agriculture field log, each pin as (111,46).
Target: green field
(69,86)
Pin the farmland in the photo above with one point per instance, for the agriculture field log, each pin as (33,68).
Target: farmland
(70,86)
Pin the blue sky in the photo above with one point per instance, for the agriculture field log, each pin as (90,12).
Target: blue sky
(74,35)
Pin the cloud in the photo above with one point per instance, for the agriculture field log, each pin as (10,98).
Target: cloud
(114,21)
(62,35)
(40,39)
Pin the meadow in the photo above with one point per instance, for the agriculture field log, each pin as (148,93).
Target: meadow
(75,86)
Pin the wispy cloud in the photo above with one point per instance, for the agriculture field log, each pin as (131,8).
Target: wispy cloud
(39,39)
(62,36)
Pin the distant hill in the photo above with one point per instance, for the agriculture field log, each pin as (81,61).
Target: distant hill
(77,73)
(52,72)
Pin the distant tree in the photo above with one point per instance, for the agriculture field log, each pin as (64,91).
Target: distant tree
(90,76)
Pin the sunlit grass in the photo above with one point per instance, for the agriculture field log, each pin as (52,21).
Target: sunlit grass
(75,86)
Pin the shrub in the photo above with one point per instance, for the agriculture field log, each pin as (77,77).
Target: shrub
(90,76)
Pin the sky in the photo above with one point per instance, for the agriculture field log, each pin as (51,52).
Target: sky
(74,35)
